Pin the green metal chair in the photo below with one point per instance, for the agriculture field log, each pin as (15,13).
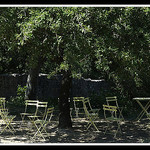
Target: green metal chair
(90,116)
(112,101)
(41,124)
(40,112)
(31,107)
(2,102)
(7,120)
(110,115)
(78,105)
(42,108)
(90,109)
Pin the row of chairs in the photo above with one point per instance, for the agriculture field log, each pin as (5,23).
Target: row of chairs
(40,119)
(39,115)
(112,112)
(37,112)
(32,108)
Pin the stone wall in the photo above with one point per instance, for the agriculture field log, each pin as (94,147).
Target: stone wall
(50,87)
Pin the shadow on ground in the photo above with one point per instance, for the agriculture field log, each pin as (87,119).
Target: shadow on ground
(132,132)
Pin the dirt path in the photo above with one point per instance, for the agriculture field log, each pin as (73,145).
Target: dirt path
(132,132)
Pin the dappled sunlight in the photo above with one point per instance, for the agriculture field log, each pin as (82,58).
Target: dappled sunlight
(132,132)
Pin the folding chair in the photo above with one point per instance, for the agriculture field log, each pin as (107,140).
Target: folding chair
(2,102)
(91,117)
(112,101)
(78,105)
(31,107)
(110,114)
(7,119)
(41,124)
(40,112)
(91,110)
(42,107)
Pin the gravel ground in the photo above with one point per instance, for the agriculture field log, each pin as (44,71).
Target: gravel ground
(132,132)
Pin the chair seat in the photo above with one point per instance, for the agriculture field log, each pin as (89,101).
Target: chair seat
(5,113)
(41,121)
(94,110)
(11,116)
(93,114)
(114,119)
(26,114)
(34,116)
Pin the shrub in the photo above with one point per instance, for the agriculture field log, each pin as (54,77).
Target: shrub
(19,99)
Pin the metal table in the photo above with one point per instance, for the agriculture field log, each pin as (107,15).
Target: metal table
(139,100)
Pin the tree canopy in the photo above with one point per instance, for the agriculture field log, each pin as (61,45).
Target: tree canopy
(123,48)
(111,43)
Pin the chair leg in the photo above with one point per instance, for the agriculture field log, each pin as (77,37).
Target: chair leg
(38,131)
(120,114)
(91,122)
(43,128)
(77,112)
(9,126)
(118,128)
(107,127)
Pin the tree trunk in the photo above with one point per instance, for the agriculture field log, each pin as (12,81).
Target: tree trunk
(64,104)
(32,83)
(32,79)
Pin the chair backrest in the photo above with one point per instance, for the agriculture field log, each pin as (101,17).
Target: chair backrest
(112,101)
(29,104)
(2,102)
(85,104)
(42,107)
(110,111)
(78,102)
(89,107)
(4,113)
(49,114)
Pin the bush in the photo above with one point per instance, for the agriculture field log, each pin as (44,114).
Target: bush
(19,99)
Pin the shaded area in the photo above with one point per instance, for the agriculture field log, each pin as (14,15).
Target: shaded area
(132,132)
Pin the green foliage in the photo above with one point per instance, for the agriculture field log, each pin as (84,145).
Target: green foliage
(19,99)
(123,47)
(97,42)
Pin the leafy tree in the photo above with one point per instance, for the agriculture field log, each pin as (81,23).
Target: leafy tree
(9,54)
(122,41)
(92,42)
(60,35)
